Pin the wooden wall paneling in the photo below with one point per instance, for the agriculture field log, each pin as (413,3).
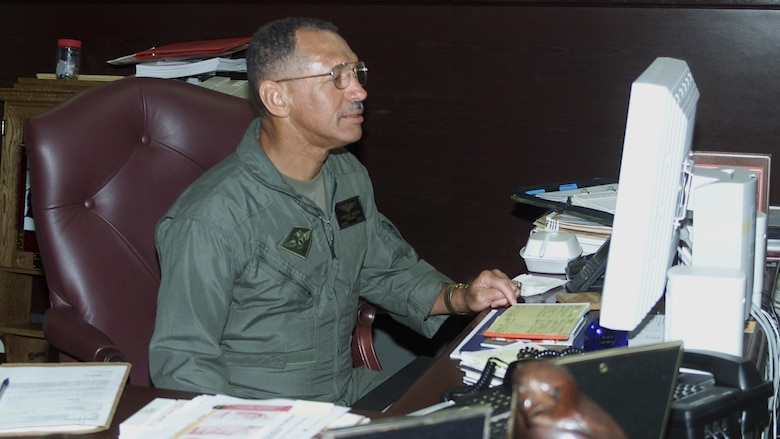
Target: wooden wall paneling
(468,100)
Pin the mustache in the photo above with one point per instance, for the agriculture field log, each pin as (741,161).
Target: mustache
(356,106)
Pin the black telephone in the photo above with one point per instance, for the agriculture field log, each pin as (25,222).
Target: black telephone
(586,273)
(728,399)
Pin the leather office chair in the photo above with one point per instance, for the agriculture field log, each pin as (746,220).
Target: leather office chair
(104,167)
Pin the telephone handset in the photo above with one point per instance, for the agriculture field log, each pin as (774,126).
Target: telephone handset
(587,273)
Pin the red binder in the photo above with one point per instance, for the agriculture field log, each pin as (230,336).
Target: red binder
(195,49)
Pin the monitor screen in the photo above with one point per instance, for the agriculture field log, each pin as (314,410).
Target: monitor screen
(650,200)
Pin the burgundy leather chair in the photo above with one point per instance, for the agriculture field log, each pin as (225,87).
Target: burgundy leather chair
(105,166)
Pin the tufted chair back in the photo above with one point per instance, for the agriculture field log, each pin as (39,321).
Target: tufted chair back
(104,167)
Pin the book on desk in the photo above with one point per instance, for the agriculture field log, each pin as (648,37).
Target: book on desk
(538,321)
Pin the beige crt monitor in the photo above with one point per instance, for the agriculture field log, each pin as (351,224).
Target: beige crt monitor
(651,187)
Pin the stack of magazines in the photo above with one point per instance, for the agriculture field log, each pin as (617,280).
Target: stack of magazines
(189,59)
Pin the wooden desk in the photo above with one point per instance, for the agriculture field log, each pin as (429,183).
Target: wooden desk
(444,373)
(133,399)
(441,376)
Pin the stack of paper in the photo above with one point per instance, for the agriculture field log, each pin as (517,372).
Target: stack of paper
(60,397)
(188,58)
(505,332)
(600,197)
(230,417)
(590,234)
(184,69)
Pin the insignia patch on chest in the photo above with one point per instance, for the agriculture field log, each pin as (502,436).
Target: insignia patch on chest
(349,212)
(298,242)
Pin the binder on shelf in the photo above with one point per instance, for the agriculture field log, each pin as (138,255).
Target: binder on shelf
(23,218)
(26,254)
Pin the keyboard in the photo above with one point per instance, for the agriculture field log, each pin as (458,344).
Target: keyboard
(500,399)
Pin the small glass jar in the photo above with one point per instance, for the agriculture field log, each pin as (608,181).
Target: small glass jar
(68,58)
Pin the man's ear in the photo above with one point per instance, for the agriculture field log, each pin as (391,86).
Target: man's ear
(273,97)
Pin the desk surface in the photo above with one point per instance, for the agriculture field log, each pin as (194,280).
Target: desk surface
(441,376)
(426,390)
(133,399)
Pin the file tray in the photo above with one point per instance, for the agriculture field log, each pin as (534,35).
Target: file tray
(529,195)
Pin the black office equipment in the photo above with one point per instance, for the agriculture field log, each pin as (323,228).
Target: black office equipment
(643,389)
(634,385)
(729,400)
(586,273)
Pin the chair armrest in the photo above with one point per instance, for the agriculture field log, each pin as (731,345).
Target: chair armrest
(363,353)
(73,336)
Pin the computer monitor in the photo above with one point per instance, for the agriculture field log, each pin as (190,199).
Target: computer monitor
(650,204)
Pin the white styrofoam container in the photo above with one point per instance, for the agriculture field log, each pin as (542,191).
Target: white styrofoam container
(550,252)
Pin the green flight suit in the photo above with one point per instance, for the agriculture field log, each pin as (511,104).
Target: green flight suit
(259,288)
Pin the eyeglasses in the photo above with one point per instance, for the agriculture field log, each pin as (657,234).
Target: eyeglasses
(342,74)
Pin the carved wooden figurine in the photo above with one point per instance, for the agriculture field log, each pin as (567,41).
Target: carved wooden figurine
(548,405)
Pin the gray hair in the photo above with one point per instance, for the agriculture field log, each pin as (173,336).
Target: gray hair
(273,47)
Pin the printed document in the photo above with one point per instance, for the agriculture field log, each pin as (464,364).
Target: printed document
(60,397)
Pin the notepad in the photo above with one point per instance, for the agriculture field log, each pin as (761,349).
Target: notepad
(538,321)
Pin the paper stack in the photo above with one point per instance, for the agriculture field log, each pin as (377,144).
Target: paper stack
(504,333)
(184,69)
(188,59)
(233,417)
(48,398)
(590,234)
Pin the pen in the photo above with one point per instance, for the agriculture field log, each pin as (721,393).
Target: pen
(4,386)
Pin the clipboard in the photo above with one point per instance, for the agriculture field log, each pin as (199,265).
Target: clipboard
(529,195)
(49,398)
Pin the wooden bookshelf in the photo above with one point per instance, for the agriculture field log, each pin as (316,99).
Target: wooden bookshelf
(20,330)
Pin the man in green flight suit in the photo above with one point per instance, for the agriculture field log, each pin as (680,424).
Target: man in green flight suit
(264,257)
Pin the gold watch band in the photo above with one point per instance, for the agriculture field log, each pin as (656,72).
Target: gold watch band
(448,297)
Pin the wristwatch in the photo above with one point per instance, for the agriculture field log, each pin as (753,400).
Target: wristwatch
(448,297)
